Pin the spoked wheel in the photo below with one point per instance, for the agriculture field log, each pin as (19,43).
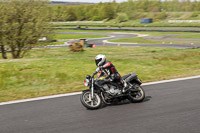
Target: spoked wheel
(138,95)
(88,102)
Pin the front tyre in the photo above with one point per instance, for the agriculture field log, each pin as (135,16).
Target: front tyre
(137,95)
(88,102)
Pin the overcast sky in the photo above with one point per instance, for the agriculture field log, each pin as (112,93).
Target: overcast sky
(92,1)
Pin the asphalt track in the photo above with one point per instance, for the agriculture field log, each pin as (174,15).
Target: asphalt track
(171,107)
(105,41)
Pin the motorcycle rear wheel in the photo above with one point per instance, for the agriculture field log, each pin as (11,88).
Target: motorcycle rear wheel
(90,103)
(137,96)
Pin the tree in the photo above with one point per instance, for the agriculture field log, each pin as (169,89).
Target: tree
(2,47)
(22,23)
(107,11)
(71,13)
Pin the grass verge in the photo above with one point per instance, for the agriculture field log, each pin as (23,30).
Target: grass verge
(76,36)
(141,40)
(188,36)
(58,36)
(55,71)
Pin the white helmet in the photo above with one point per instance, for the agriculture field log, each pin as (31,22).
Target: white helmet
(100,59)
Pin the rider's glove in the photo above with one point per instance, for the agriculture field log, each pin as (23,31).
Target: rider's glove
(98,69)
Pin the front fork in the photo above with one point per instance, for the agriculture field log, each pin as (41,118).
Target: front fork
(92,89)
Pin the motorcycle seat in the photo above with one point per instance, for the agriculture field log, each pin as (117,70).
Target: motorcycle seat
(125,76)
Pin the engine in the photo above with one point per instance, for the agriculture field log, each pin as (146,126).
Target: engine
(110,89)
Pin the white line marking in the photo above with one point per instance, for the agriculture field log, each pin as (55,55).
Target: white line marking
(77,93)
(106,41)
(170,80)
(40,98)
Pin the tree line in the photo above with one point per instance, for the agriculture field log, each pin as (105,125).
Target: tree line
(131,9)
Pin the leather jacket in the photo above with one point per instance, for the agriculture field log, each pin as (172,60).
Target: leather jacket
(109,71)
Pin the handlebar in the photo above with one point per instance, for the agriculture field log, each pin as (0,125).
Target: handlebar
(97,70)
(94,74)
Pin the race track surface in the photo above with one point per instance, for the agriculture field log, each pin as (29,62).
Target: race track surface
(168,108)
(105,41)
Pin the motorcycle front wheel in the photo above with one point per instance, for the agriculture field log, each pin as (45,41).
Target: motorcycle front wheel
(88,102)
(138,95)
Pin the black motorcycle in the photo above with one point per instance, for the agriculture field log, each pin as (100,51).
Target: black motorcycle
(110,92)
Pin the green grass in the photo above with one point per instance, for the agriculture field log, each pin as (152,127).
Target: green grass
(76,36)
(116,31)
(55,71)
(86,31)
(58,36)
(188,36)
(140,27)
(140,40)
(137,23)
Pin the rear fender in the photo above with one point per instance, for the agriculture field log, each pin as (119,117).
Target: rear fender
(136,81)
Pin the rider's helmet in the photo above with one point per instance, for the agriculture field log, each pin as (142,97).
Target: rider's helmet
(100,60)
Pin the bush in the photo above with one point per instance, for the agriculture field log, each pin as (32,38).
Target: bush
(136,15)
(177,15)
(161,15)
(96,18)
(194,14)
(122,17)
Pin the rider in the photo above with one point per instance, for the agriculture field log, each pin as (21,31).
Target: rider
(108,69)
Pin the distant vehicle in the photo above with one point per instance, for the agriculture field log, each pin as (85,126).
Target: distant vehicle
(42,39)
(79,44)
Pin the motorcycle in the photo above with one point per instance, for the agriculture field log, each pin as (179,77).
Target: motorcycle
(110,92)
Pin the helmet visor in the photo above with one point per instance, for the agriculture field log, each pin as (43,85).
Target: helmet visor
(97,61)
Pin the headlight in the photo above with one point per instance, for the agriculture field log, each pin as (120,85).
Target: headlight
(86,82)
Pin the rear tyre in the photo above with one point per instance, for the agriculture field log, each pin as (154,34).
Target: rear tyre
(136,96)
(88,102)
